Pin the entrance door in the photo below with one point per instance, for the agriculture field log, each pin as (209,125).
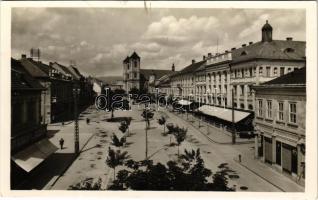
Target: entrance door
(294,161)
(268,150)
(287,158)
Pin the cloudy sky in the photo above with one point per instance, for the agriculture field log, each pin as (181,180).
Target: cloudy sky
(98,39)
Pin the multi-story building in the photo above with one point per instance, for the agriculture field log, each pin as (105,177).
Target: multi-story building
(29,144)
(263,61)
(280,121)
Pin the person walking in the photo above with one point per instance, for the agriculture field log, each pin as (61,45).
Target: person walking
(61,143)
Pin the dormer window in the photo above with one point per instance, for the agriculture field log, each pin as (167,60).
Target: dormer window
(243,53)
(289,50)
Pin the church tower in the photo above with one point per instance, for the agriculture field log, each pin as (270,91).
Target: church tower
(267,32)
(131,71)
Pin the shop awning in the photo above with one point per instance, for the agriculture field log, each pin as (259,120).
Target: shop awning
(33,155)
(223,113)
(184,102)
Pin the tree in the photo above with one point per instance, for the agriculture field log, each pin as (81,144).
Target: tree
(118,142)
(190,175)
(87,184)
(171,130)
(116,158)
(128,121)
(123,126)
(162,122)
(147,114)
(180,135)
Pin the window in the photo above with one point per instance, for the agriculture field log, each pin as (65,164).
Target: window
(289,50)
(292,112)
(242,73)
(261,71)
(135,63)
(269,109)
(280,111)
(275,71)
(254,71)
(135,75)
(260,108)
(281,71)
(289,70)
(268,71)
(251,72)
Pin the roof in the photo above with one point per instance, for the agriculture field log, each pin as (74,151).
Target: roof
(134,56)
(21,79)
(126,59)
(158,73)
(192,67)
(267,26)
(33,69)
(298,76)
(64,68)
(276,49)
(73,73)
(44,67)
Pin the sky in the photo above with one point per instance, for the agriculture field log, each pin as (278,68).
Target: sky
(99,39)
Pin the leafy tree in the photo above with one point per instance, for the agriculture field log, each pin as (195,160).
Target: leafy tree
(123,126)
(171,129)
(180,135)
(147,114)
(190,175)
(162,122)
(128,121)
(118,142)
(116,158)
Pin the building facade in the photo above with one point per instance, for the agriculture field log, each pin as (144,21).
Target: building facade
(280,121)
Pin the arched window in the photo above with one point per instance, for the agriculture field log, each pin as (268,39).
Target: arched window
(242,105)
(250,107)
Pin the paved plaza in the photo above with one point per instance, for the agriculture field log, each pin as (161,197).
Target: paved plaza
(95,139)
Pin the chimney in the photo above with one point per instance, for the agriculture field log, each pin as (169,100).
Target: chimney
(250,43)
(243,45)
(209,55)
(193,61)
(23,56)
(173,67)
(203,57)
(289,38)
(233,49)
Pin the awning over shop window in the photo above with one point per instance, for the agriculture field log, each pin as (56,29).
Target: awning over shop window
(184,102)
(33,155)
(223,113)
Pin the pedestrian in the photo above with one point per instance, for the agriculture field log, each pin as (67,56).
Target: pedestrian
(61,143)
(87,120)
(240,158)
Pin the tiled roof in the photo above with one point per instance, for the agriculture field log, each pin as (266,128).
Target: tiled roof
(298,76)
(276,49)
(33,69)
(21,79)
(146,73)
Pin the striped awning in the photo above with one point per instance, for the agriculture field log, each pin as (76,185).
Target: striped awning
(223,113)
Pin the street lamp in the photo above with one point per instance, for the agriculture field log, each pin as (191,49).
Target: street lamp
(76,92)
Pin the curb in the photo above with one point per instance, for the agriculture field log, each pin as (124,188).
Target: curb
(257,174)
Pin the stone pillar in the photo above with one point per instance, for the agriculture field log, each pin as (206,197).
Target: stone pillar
(245,97)
(238,91)
(273,149)
(256,146)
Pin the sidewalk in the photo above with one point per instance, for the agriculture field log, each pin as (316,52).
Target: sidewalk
(217,135)
(270,175)
(55,165)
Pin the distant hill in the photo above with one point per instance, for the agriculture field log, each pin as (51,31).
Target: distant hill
(109,79)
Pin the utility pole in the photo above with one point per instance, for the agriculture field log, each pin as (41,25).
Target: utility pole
(76,128)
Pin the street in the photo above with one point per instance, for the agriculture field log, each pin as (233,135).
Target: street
(95,141)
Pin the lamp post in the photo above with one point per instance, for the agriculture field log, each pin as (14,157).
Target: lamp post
(76,92)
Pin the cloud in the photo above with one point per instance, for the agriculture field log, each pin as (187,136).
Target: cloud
(98,39)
